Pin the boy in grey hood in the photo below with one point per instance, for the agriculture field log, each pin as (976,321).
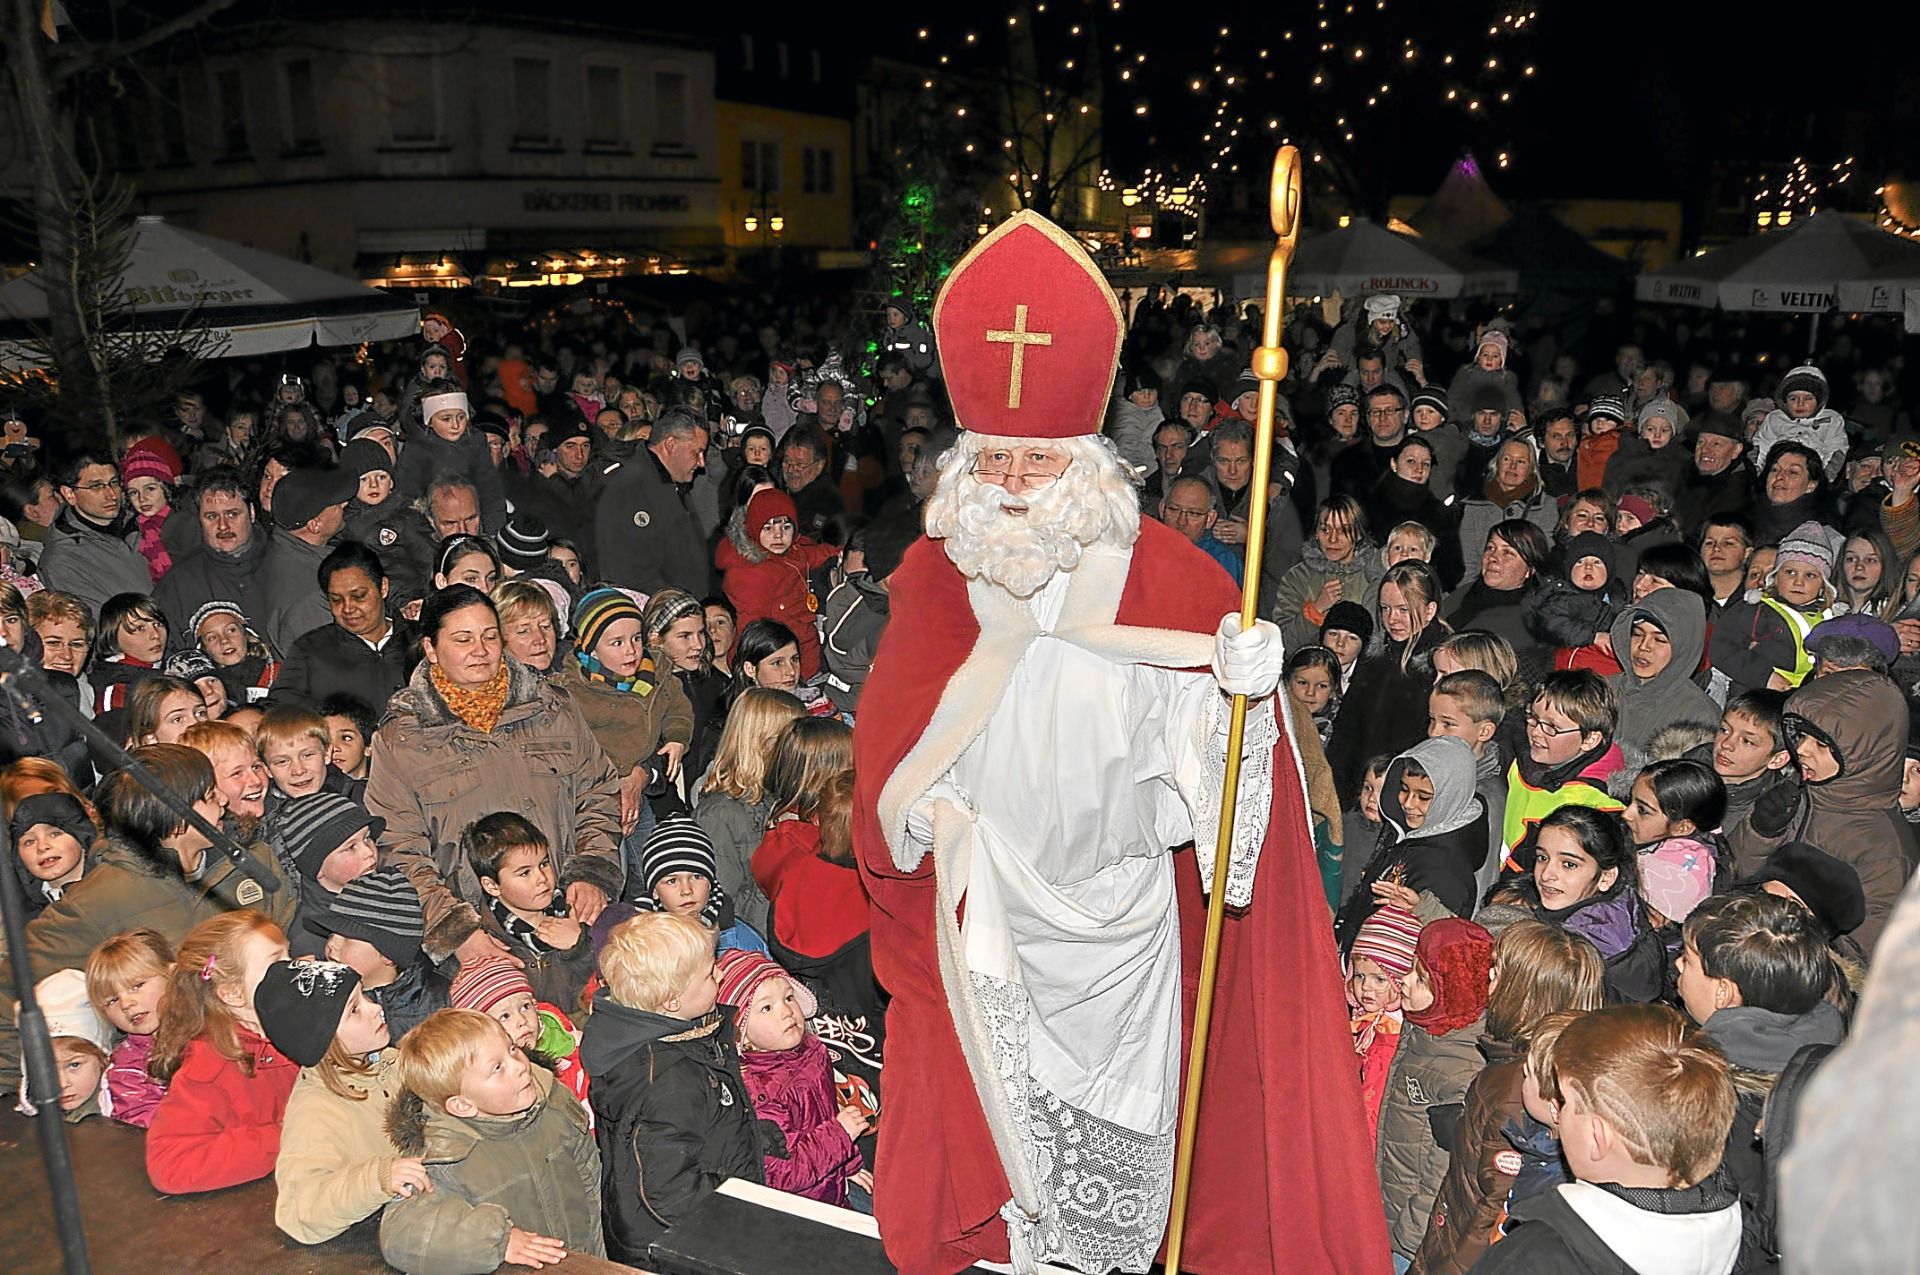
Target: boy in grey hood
(1439,829)
(1658,641)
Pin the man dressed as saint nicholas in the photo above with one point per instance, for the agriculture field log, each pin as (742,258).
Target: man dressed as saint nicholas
(1043,733)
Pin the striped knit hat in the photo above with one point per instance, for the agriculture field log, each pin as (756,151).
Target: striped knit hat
(219,606)
(1609,407)
(523,542)
(314,826)
(1387,939)
(485,983)
(598,609)
(381,908)
(742,971)
(668,607)
(677,844)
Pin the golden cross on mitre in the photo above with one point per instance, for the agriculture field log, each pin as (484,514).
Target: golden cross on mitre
(1019,338)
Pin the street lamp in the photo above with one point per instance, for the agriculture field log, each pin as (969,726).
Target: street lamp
(751,224)
(1129,197)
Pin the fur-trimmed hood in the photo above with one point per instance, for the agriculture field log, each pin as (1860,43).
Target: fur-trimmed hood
(746,546)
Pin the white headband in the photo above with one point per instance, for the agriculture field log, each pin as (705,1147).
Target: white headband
(432,405)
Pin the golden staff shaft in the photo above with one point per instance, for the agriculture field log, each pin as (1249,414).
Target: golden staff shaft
(1270,366)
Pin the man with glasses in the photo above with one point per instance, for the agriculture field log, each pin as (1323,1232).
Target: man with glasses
(1189,508)
(92,548)
(1356,469)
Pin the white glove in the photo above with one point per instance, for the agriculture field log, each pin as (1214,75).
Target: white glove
(920,814)
(1248,663)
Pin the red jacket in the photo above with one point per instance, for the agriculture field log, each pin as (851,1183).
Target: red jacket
(766,587)
(825,907)
(793,1090)
(216,1126)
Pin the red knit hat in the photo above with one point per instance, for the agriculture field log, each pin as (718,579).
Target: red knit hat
(742,972)
(143,461)
(767,505)
(485,983)
(1457,956)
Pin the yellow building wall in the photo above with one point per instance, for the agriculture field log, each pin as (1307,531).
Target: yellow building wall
(823,219)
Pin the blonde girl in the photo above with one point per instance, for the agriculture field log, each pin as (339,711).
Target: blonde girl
(731,804)
(127,980)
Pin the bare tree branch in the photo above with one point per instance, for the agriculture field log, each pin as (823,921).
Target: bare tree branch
(70,60)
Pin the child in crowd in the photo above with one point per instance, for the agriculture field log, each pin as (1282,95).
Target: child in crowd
(330,841)
(513,1173)
(1755,973)
(1444,999)
(1645,1105)
(1382,956)
(295,742)
(1658,641)
(441,442)
(1346,632)
(374,925)
(497,987)
(677,875)
(244,661)
(1440,838)
(1312,679)
(817,905)
(128,647)
(1670,813)
(1469,705)
(789,1076)
(161,709)
(1606,417)
(1803,417)
(764,563)
(195,669)
(1750,752)
(1362,827)
(732,798)
(350,724)
(1568,759)
(53,836)
(1537,971)
(148,478)
(526,910)
(238,772)
(80,1043)
(1762,642)
(127,980)
(1585,879)
(1576,608)
(1534,1135)
(219,1123)
(336,1164)
(673,1108)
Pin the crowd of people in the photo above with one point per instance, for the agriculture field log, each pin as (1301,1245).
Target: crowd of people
(526,670)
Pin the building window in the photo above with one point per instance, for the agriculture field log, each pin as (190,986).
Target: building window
(813,58)
(412,114)
(606,120)
(170,109)
(230,99)
(760,166)
(303,108)
(807,175)
(532,100)
(746,52)
(817,170)
(828,177)
(670,107)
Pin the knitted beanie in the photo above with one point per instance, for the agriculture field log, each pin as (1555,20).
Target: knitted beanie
(363,456)
(1457,956)
(1640,507)
(741,973)
(59,809)
(767,505)
(1829,887)
(1383,305)
(1607,407)
(1588,544)
(1812,543)
(1349,617)
(1497,339)
(190,665)
(381,908)
(300,1004)
(218,606)
(484,983)
(1387,938)
(1676,877)
(1430,396)
(523,542)
(68,1010)
(1342,395)
(598,609)
(314,826)
(677,844)
(143,463)
(1805,377)
(689,355)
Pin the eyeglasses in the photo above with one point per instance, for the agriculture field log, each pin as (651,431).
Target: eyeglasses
(998,467)
(105,484)
(1383,413)
(1552,732)
(1175,511)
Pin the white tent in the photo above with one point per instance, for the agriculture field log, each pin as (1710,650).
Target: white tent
(1829,260)
(1362,258)
(253,301)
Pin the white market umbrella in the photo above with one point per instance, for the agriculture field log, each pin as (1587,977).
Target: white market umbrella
(1828,260)
(1363,258)
(253,301)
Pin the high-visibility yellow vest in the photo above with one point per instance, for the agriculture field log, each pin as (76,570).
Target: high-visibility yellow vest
(1799,624)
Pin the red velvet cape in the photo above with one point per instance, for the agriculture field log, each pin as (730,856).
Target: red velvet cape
(1284,1172)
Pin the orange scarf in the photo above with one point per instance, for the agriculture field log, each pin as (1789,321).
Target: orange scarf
(478,706)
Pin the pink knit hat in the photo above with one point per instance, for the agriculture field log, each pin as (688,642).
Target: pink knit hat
(144,462)
(1387,938)
(742,972)
(485,983)
(1676,877)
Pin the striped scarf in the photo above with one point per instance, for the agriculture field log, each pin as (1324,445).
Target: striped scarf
(643,681)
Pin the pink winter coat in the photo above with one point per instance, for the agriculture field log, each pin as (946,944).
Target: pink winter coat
(793,1089)
(135,1093)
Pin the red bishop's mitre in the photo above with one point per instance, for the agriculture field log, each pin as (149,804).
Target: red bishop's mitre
(1029,334)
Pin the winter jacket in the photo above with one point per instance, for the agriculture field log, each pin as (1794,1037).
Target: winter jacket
(706,690)
(1566,617)
(644,534)
(1131,428)
(1704,497)
(1854,816)
(218,1126)
(1384,710)
(674,1117)
(1635,958)
(819,906)
(1449,452)
(419,990)
(736,829)
(1669,697)
(291,576)
(1500,611)
(1534,792)
(1428,1072)
(1481,1168)
(851,622)
(630,727)
(1395,500)
(330,661)
(1479,516)
(807,1149)
(1357,468)
(336,1160)
(427,456)
(1439,858)
(557,976)
(1825,432)
(1296,607)
(1587,1228)
(432,775)
(1638,465)
(763,586)
(91,562)
(1752,641)
(136,1094)
(538,1171)
(1772,522)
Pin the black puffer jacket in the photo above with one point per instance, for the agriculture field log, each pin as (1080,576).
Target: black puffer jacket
(674,1117)
(330,661)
